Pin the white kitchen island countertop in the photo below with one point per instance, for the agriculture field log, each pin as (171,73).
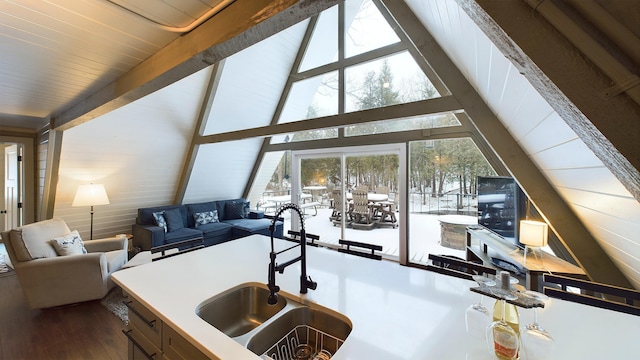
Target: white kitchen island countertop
(397,312)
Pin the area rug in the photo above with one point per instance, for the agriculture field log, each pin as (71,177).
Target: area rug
(5,270)
(114,302)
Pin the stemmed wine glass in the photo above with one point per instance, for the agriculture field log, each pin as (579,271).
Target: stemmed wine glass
(537,343)
(502,339)
(477,316)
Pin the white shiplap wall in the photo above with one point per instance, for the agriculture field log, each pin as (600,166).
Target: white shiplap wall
(252,81)
(606,208)
(136,151)
(221,170)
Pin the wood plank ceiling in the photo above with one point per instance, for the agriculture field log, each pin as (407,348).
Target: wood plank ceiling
(56,53)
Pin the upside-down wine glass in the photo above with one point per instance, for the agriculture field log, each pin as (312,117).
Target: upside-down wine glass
(477,316)
(537,343)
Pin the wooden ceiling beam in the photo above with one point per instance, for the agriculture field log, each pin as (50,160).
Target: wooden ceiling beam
(238,26)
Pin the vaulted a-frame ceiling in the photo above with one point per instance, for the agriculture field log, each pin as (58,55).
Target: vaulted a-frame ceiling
(582,196)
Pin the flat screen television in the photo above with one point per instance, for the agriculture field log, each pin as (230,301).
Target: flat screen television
(501,206)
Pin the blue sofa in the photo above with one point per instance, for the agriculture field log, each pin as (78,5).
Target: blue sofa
(234,220)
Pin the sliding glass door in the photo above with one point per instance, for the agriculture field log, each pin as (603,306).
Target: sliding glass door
(352,194)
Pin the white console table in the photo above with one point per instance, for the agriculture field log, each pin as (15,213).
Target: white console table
(483,244)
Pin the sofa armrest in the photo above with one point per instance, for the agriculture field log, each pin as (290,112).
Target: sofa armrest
(105,245)
(147,236)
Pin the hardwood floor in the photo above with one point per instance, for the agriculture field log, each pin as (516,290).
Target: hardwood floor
(82,331)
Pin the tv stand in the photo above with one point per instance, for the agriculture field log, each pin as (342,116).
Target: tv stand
(484,245)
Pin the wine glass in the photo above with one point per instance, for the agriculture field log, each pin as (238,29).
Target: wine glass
(502,339)
(537,343)
(477,316)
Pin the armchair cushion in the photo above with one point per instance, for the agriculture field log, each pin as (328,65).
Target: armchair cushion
(70,244)
(33,241)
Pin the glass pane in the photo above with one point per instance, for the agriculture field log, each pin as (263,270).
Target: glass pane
(319,179)
(387,81)
(273,179)
(323,46)
(395,125)
(373,217)
(366,29)
(310,98)
(442,181)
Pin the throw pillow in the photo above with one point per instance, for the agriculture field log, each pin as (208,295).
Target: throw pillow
(174,219)
(206,217)
(234,210)
(159,219)
(70,244)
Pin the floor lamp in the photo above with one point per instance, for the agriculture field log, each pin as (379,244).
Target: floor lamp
(533,234)
(90,195)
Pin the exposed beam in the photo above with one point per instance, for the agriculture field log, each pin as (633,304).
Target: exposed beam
(584,248)
(240,25)
(424,107)
(281,102)
(54,149)
(201,123)
(568,81)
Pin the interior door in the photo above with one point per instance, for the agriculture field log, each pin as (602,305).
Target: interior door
(9,217)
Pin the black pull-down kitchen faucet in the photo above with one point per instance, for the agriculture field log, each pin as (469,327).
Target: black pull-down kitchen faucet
(305,282)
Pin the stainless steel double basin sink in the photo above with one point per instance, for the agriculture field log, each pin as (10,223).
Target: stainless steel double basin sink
(279,330)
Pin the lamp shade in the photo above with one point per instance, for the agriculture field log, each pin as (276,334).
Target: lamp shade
(534,233)
(91,194)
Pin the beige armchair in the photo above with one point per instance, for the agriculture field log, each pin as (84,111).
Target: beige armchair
(49,279)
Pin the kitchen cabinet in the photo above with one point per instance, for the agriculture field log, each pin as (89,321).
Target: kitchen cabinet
(150,338)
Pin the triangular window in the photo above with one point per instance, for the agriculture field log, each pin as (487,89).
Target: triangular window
(331,82)
(365,28)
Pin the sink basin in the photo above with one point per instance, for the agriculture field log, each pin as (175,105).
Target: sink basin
(239,310)
(321,329)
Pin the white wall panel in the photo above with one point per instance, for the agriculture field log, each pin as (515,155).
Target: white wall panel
(593,179)
(540,138)
(605,207)
(221,170)
(136,151)
(252,81)
(572,154)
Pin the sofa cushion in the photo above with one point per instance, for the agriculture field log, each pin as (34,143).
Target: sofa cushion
(70,244)
(33,241)
(160,220)
(234,210)
(221,205)
(246,227)
(215,229)
(145,215)
(173,218)
(181,235)
(193,209)
(205,217)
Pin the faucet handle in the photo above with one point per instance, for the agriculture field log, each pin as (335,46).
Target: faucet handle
(311,284)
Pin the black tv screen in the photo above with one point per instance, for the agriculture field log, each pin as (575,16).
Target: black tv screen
(501,206)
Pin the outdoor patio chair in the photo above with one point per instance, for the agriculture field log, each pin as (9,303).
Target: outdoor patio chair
(338,211)
(362,212)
